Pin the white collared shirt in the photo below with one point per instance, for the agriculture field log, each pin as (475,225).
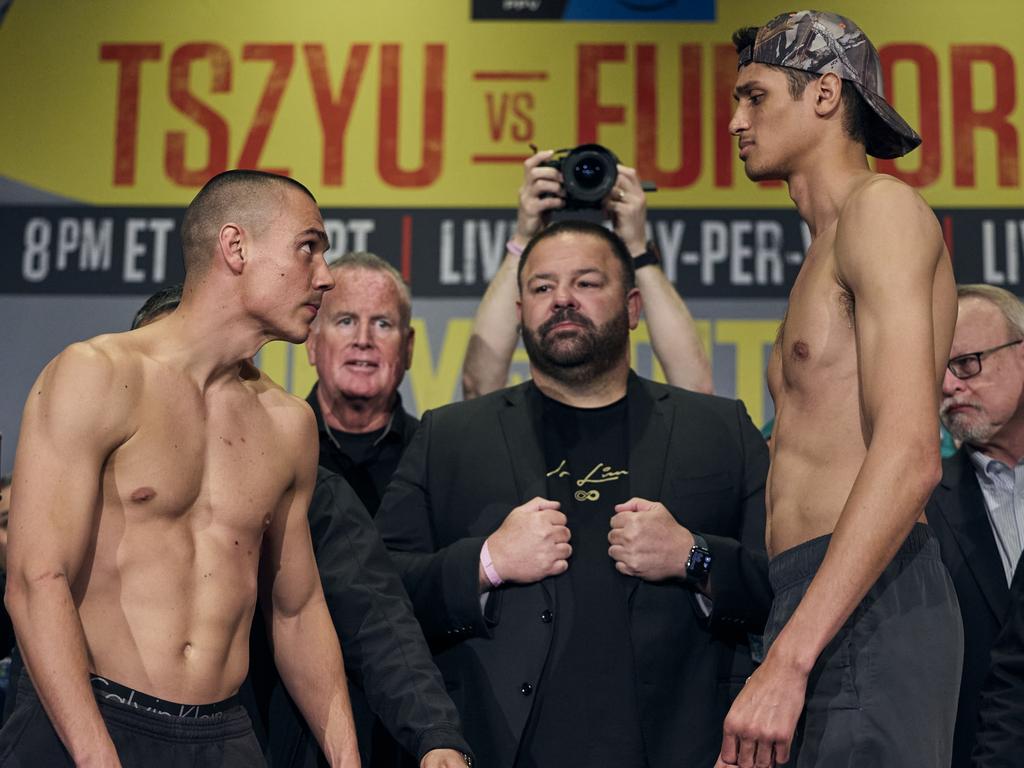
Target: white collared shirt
(1003,489)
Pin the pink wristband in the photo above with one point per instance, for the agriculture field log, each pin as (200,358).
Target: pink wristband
(489,570)
(514,248)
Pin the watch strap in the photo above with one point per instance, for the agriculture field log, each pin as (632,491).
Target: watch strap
(648,258)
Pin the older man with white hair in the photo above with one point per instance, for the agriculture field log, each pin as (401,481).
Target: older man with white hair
(977,511)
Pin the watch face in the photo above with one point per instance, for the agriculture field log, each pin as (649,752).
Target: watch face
(699,563)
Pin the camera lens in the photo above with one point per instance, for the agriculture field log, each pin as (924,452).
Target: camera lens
(589,172)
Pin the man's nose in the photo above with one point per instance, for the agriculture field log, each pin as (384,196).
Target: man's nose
(951,385)
(323,279)
(738,123)
(565,297)
(364,336)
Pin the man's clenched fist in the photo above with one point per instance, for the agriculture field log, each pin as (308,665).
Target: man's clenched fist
(531,544)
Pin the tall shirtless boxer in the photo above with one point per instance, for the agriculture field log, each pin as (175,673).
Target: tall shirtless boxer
(159,481)
(864,638)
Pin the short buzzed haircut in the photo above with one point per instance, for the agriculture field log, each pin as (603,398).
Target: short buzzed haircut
(241,196)
(582,227)
(163,301)
(1009,305)
(374,263)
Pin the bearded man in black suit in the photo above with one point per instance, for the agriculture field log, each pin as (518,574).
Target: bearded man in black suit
(585,551)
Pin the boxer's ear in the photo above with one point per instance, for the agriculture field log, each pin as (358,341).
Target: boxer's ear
(827,92)
(230,247)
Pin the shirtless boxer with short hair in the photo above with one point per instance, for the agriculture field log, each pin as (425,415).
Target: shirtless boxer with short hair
(160,481)
(864,637)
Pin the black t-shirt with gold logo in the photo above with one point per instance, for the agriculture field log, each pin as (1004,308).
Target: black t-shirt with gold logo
(586,709)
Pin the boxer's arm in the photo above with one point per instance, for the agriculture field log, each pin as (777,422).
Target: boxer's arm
(306,649)
(76,414)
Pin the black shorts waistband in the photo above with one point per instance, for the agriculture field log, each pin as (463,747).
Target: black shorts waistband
(802,561)
(110,690)
(193,728)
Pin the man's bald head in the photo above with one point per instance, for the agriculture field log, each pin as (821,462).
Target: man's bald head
(247,198)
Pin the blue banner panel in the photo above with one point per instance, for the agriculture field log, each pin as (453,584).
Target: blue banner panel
(595,10)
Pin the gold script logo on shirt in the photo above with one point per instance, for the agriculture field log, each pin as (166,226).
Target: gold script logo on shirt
(601,473)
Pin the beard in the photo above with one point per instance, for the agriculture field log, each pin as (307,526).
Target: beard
(581,354)
(969,426)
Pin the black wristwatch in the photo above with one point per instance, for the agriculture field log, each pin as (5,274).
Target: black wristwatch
(648,258)
(698,564)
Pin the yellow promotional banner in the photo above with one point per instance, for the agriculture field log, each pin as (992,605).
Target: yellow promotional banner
(406,103)
(409,121)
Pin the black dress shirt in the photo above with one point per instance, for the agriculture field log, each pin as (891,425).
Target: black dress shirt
(369,474)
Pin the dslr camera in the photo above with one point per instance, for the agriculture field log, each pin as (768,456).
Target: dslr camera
(589,172)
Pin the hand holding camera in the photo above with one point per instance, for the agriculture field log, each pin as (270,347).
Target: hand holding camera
(540,193)
(586,177)
(626,207)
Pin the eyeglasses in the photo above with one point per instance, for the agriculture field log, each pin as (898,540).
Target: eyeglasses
(968,366)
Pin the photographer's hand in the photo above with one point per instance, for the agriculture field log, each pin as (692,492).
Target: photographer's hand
(540,193)
(626,206)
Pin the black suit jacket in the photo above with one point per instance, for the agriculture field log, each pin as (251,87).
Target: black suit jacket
(386,658)
(1001,713)
(471,463)
(957,516)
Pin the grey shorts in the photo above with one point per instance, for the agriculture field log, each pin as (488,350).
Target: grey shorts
(884,691)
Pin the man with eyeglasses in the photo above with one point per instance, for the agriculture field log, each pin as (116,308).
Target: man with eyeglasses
(977,510)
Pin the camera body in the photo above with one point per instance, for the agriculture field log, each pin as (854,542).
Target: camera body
(588,171)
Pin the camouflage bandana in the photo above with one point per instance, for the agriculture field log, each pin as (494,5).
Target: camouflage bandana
(822,42)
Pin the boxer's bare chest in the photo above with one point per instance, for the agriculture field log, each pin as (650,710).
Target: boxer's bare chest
(815,347)
(200,458)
